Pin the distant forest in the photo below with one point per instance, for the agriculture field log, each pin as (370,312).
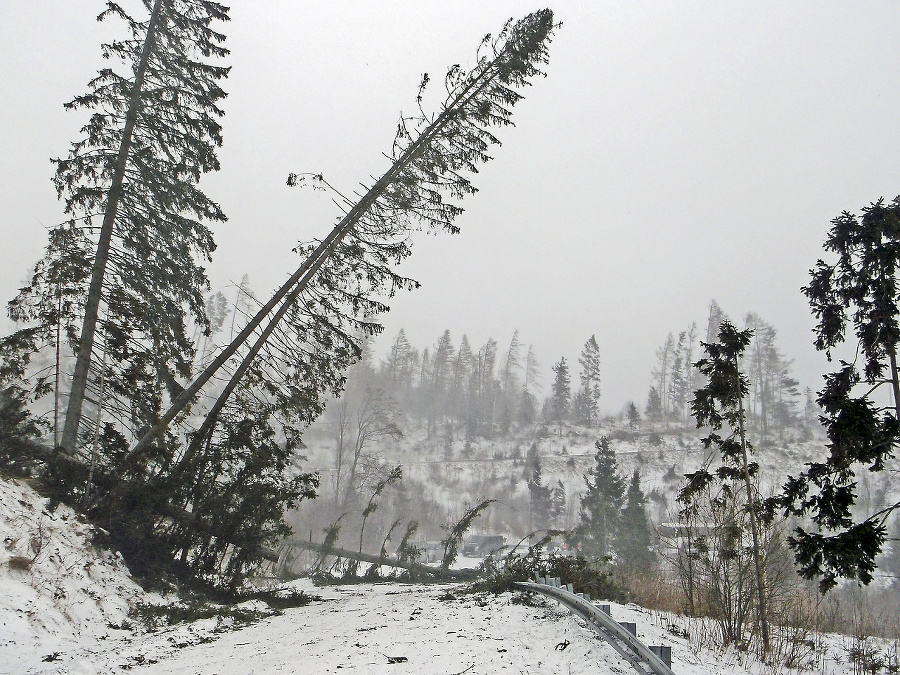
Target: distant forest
(489,390)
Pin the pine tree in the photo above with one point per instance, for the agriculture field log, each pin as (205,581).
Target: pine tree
(462,373)
(440,379)
(561,392)
(718,405)
(633,416)
(528,400)
(653,410)
(153,133)
(539,494)
(509,384)
(396,368)
(482,391)
(714,320)
(558,505)
(590,381)
(633,540)
(599,515)
(662,375)
(680,378)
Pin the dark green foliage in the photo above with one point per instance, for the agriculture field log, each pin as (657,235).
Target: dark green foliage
(633,538)
(538,493)
(156,617)
(49,308)
(152,133)
(653,410)
(406,551)
(633,416)
(16,425)
(600,504)
(719,404)
(393,476)
(558,505)
(587,412)
(857,292)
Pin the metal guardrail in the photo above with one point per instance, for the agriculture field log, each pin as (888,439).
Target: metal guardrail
(622,640)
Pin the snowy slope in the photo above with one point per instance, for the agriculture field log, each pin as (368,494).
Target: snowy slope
(57,591)
(395,629)
(64,608)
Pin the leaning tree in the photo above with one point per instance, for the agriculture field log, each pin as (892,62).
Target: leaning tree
(272,379)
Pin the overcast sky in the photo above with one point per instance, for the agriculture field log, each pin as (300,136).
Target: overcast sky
(676,152)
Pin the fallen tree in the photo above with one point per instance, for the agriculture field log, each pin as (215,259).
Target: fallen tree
(389,560)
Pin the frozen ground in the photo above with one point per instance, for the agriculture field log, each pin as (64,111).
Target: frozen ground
(64,609)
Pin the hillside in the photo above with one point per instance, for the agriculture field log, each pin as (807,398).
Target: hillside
(70,606)
(443,474)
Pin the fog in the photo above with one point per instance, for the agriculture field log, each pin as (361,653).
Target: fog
(676,152)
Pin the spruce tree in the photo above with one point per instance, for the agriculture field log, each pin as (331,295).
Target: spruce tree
(528,401)
(509,384)
(633,416)
(153,132)
(590,381)
(558,505)
(599,515)
(560,392)
(539,494)
(633,539)
(653,410)
(720,406)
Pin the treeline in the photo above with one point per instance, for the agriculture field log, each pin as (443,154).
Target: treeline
(775,403)
(486,391)
(474,391)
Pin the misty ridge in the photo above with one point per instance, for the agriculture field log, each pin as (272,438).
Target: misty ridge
(221,440)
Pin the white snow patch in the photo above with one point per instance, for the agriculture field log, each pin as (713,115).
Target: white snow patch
(57,591)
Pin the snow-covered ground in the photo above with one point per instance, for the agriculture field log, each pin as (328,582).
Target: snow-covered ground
(64,608)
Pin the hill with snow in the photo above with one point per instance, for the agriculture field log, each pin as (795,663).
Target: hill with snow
(69,606)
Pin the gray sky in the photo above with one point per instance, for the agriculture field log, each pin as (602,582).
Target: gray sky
(677,152)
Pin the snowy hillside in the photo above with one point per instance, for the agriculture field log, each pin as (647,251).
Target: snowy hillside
(57,591)
(65,609)
(442,475)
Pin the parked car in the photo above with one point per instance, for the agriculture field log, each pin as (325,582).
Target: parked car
(482,545)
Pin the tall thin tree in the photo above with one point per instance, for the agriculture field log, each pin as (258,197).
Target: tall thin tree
(153,133)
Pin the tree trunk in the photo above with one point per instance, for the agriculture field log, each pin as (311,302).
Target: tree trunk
(895,382)
(754,526)
(300,278)
(95,290)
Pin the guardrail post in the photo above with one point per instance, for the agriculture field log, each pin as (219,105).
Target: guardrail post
(664,653)
(570,588)
(604,609)
(630,626)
